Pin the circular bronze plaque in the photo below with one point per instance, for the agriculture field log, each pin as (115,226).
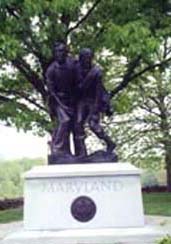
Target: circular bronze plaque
(83,209)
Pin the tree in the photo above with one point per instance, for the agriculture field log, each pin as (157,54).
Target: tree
(11,182)
(146,129)
(127,29)
(29,30)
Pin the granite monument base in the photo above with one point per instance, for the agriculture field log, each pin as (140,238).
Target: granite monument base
(83,203)
(83,196)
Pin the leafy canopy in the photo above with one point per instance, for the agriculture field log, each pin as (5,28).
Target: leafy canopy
(130,28)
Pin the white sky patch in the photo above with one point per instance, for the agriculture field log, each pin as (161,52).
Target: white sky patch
(35,24)
(15,144)
(8,69)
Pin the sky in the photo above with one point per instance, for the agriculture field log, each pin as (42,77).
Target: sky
(15,144)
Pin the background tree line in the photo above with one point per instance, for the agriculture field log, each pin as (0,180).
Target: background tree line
(11,176)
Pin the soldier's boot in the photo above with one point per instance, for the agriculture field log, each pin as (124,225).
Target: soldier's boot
(100,133)
(80,147)
(110,145)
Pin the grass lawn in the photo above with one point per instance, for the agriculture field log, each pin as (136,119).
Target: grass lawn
(11,215)
(157,203)
(154,204)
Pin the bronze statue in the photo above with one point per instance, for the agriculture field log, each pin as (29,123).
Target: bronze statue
(60,80)
(91,102)
(79,97)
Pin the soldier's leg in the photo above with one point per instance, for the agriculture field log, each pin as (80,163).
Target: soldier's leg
(79,133)
(94,124)
(61,142)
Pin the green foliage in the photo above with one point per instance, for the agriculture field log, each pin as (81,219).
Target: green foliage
(150,131)
(11,181)
(132,39)
(124,103)
(29,28)
(165,240)
(149,179)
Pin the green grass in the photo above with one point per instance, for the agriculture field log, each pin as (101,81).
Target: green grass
(157,203)
(154,204)
(11,215)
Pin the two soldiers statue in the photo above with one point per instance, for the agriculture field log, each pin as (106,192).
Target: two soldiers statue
(79,97)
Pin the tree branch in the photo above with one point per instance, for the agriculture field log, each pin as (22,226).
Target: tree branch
(12,11)
(84,18)
(130,75)
(32,77)
(4,99)
(33,45)
(24,96)
(38,55)
(21,107)
(146,121)
(148,109)
(165,48)
(11,100)
(150,67)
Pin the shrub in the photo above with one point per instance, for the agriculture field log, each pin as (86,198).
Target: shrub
(149,179)
(165,240)
(11,182)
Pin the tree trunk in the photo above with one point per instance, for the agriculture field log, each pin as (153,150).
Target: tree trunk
(168,168)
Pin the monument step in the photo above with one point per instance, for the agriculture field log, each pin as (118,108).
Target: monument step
(144,235)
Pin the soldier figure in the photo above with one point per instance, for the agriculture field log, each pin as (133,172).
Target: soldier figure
(60,81)
(92,100)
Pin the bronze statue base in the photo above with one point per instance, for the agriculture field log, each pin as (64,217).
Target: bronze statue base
(96,157)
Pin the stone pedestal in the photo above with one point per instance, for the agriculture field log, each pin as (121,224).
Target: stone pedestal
(83,196)
(84,203)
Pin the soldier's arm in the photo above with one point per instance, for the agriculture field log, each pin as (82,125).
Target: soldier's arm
(50,79)
(99,87)
(51,88)
(102,96)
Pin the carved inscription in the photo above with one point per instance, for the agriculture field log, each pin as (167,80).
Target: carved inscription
(53,186)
